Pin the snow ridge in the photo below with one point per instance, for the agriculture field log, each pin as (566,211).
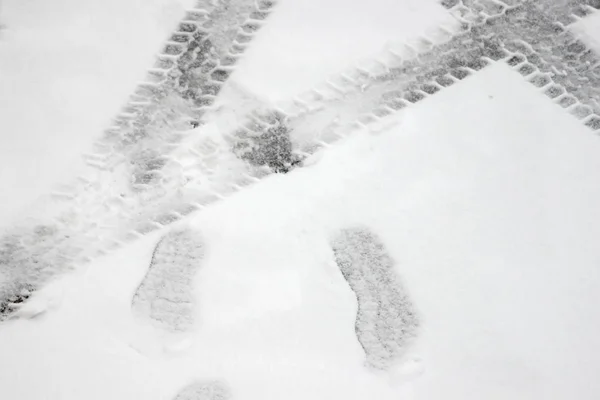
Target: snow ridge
(386,321)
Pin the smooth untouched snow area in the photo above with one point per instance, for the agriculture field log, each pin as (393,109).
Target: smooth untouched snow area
(490,216)
(486,194)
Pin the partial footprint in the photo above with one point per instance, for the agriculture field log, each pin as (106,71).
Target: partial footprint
(386,320)
(204,390)
(165,296)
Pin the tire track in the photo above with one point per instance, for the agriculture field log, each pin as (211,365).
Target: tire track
(194,64)
(537,32)
(102,214)
(208,170)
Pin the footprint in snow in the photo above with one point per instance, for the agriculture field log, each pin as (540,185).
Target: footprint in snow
(386,320)
(165,296)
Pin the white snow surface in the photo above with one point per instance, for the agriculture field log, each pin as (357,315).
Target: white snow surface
(486,195)
(66,68)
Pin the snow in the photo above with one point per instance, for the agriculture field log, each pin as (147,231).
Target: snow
(485,195)
(67,67)
(589,30)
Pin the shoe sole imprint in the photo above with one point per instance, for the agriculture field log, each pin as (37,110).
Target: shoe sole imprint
(386,321)
(165,296)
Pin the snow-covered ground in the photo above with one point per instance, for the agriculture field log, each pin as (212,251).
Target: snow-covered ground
(66,67)
(486,195)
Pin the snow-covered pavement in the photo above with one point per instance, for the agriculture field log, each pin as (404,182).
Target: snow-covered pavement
(483,198)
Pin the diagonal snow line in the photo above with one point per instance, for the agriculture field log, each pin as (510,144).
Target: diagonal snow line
(203,47)
(194,192)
